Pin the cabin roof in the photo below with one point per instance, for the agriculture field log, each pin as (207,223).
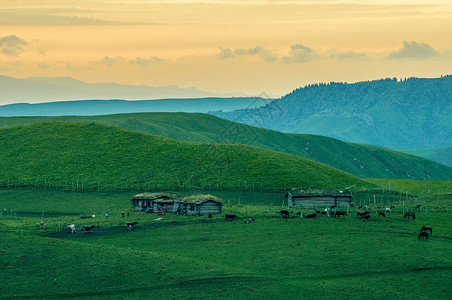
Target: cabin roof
(198,199)
(154,196)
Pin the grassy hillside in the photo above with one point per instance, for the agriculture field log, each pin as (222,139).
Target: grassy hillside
(92,156)
(360,160)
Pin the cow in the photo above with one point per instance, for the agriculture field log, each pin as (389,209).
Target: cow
(340,213)
(249,221)
(230,217)
(362,213)
(130,225)
(381,213)
(87,228)
(43,225)
(284,214)
(311,216)
(418,207)
(410,214)
(366,217)
(423,236)
(71,228)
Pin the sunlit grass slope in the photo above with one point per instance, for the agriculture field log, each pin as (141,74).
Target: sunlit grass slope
(360,160)
(94,156)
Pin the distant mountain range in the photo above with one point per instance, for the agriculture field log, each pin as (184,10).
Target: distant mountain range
(415,112)
(43,89)
(106,107)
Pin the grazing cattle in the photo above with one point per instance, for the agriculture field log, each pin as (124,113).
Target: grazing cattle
(311,216)
(71,228)
(43,225)
(230,217)
(418,207)
(284,214)
(333,207)
(381,213)
(366,217)
(410,214)
(362,213)
(300,214)
(423,236)
(130,225)
(323,212)
(249,221)
(427,228)
(387,209)
(340,213)
(87,228)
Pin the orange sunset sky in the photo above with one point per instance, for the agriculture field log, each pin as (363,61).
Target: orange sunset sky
(224,46)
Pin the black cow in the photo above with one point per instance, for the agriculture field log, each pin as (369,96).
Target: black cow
(230,217)
(284,214)
(311,216)
(249,221)
(340,213)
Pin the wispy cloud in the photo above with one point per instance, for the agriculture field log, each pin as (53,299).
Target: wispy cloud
(414,51)
(300,54)
(263,53)
(12,45)
(43,65)
(140,62)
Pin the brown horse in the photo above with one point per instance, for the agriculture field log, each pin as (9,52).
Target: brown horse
(410,214)
(427,228)
(423,236)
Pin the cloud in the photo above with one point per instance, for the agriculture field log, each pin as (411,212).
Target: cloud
(112,61)
(414,51)
(300,54)
(140,62)
(12,45)
(43,65)
(144,62)
(265,54)
(347,55)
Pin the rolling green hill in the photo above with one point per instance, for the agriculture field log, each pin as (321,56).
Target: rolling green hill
(360,160)
(92,156)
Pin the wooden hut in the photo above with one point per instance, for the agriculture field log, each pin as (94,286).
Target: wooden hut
(200,205)
(153,202)
(320,199)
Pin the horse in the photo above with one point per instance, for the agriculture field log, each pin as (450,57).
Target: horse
(230,217)
(340,213)
(381,213)
(130,225)
(72,228)
(427,228)
(310,216)
(409,214)
(284,214)
(423,236)
(87,228)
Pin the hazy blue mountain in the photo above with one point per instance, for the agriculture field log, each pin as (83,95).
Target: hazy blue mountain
(105,107)
(415,112)
(41,89)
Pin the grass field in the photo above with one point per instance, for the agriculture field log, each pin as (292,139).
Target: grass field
(182,257)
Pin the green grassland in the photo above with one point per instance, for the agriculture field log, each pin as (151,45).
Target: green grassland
(360,160)
(186,257)
(82,156)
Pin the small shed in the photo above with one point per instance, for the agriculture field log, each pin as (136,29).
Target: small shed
(319,199)
(152,202)
(200,205)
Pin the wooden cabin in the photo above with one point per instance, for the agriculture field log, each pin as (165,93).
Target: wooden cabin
(153,202)
(320,199)
(199,205)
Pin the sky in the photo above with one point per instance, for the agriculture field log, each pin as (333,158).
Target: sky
(252,46)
